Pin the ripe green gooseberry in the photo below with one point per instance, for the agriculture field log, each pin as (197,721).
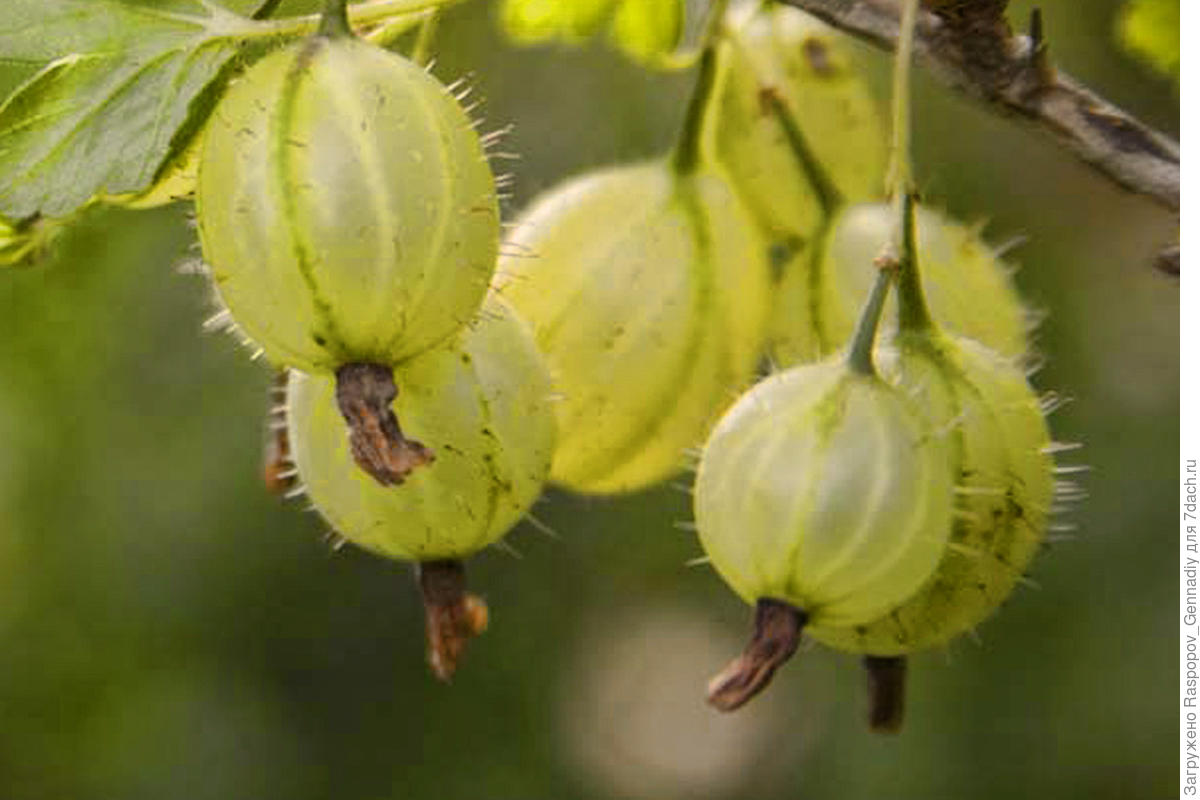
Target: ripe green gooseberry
(1004,475)
(824,498)
(485,398)
(345,206)
(826,489)
(647,291)
(1004,492)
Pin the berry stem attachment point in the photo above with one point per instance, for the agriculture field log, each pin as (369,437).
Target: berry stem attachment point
(452,615)
(777,628)
(364,395)
(886,676)
(335,20)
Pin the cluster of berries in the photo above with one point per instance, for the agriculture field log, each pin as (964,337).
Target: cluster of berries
(884,497)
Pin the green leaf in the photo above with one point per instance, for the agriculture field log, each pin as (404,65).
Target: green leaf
(1150,30)
(102,119)
(646,29)
(124,87)
(37,31)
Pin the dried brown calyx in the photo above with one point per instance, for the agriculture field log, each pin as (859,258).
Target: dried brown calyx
(777,628)
(364,395)
(453,616)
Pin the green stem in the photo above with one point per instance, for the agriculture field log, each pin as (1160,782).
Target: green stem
(335,21)
(862,344)
(712,24)
(689,149)
(913,310)
(900,179)
(423,46)
(683,59)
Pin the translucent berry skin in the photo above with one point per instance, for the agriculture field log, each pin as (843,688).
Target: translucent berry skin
(806,67)
(647,292)
(826,489)
(1005,488)
(968,287)
(484,399)
(345,206)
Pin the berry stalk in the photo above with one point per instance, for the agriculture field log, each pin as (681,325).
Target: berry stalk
(862,344)
(453,616)
(422,48)
(900,180)
(886,677)
(689,150)
(913,309)
(335,20)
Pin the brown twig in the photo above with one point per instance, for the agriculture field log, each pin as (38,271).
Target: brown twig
(968,43)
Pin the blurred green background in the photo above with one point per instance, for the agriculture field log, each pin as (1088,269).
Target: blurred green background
(168,630)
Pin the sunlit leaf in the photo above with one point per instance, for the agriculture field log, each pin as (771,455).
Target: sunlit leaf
(103,118)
